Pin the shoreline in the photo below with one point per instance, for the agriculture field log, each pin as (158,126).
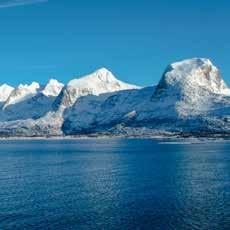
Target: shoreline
(216,136)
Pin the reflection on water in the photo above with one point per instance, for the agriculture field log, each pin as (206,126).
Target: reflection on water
(114,184)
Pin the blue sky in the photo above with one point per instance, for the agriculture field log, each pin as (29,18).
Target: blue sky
(62,39)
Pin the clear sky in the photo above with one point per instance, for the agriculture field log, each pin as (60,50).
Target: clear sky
(135,39)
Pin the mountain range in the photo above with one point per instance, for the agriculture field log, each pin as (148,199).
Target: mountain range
(191,98)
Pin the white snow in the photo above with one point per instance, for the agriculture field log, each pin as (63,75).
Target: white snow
(101,81)
(22,92)
(5,91)
(189,88)
(192,73)
(53,88)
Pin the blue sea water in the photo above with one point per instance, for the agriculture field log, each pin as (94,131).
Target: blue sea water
(114,184)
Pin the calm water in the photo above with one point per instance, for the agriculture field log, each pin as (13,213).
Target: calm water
(114,184)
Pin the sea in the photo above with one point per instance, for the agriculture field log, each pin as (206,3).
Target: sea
(115,183)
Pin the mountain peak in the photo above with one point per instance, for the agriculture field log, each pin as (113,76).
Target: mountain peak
(100,75)
(21,93)
(52,88)
(100,81)
(102,70)
(104,75)
(189,64)
(5,91)
(5,86)
(188,75)
(101,78)
(32,87)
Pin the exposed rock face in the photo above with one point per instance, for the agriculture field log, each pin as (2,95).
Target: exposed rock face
(194,74)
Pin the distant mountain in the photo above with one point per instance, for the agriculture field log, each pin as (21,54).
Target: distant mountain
(191,98)
(30,101)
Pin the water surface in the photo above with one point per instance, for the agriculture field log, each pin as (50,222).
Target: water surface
(114,184)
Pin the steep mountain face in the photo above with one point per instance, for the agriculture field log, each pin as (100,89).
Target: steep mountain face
(191,97)
(193,74)
(101,81)
(191,87)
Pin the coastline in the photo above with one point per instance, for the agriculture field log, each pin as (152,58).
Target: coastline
(164,137)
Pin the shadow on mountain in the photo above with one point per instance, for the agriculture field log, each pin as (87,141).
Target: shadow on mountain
(34,108)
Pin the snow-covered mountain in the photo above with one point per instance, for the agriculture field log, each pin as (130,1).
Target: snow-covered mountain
(30,101)
(191,97)
(101,81)
(192,85)
(5,91)
(22,92)
(53,88)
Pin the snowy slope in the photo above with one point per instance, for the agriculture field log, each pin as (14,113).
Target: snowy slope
(22,92)
(31,101)
(106,110)
(5,91)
